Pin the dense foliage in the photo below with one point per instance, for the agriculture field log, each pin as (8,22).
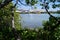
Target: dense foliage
(53,29)
(17,20)
(5,22)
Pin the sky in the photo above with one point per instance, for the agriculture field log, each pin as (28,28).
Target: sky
(20,6)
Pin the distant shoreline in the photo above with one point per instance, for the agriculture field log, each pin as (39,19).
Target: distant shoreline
(37,11)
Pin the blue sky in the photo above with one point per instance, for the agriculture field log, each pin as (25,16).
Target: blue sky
(37,5)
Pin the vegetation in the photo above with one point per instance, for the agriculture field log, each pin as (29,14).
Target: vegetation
(5,21)
(6,32)
(17,20)
(50,31)
(39,34)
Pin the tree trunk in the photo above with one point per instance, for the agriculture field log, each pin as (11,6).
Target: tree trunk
(16,35)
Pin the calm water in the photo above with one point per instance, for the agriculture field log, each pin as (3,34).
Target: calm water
(34,20)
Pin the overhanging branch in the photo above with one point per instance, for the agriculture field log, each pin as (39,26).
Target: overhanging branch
(6,2)
(58,20)
(49,13)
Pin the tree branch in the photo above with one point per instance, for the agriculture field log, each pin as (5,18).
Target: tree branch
(49,13)
(58,20)
(6,2)
(22,3)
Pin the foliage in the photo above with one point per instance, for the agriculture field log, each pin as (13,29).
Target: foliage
(48,33)
(5,16)
(50,27)
(39,34)
(5,22)
(17,20)
(31,2)
(25,34)
(0,1)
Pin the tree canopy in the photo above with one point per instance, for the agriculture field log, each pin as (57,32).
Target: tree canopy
(30,2)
